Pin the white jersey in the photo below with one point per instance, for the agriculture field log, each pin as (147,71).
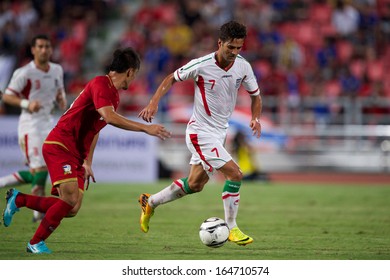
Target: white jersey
(30,82)
(216,90)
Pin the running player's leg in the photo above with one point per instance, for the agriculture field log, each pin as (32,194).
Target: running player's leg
(16,200)
(181,187)
(67,175)
(231,199)
(60,209)
(17,178)
(178,189)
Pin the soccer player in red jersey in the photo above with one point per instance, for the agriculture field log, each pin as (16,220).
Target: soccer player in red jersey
(69,147)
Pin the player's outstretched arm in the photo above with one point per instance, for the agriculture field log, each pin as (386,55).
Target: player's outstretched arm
(117,120)
(148,113)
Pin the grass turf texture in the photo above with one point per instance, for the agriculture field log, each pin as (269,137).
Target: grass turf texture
(287,222)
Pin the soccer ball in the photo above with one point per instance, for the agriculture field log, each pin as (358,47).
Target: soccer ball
(214,232)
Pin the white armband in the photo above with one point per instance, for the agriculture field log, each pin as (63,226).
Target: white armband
(24,104)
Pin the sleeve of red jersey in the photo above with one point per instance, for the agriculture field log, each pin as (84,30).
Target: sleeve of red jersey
(101,94)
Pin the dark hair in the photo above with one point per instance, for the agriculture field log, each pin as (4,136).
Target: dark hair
(125,59)
(232,30)
(39,37)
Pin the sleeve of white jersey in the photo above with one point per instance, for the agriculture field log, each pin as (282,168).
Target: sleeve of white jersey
(17,83)
(188,71)
(250,82)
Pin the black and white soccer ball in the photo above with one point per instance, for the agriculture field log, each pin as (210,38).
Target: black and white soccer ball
(214,232)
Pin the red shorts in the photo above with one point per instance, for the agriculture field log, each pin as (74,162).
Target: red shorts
(62,166)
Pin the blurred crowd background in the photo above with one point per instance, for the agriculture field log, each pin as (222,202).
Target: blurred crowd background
(317,61)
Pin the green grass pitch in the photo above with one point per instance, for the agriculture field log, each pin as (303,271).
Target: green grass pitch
(287,222)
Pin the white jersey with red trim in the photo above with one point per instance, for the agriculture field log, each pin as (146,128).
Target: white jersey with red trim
(32,83)
(216,90)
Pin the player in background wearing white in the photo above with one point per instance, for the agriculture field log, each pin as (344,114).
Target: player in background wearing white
(217,77)
(35,88)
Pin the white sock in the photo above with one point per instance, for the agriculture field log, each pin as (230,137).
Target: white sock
(170,193)
(10,180)
(230,205)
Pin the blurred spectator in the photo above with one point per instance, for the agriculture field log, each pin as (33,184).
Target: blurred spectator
(244,154)
(6,14)
(217,12)
(157,59)
(134,36)
(190,11)
(290,54)
(178,38)
(25,16)
(326,57)
(349,83)
(345,18)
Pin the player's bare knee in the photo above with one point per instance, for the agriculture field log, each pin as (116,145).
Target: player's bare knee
(72,197)
(72,213)
(196,187)
(73,201)
(236,176)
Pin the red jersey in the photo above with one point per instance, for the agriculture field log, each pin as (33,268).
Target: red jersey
(78,126)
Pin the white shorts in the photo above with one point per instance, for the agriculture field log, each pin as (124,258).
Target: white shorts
(31,147)
(207,149)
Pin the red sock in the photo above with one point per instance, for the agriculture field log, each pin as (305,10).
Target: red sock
(51,221)
(39,203)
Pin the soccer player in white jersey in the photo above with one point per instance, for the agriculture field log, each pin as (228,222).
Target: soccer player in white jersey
(217,77)
(35,88)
